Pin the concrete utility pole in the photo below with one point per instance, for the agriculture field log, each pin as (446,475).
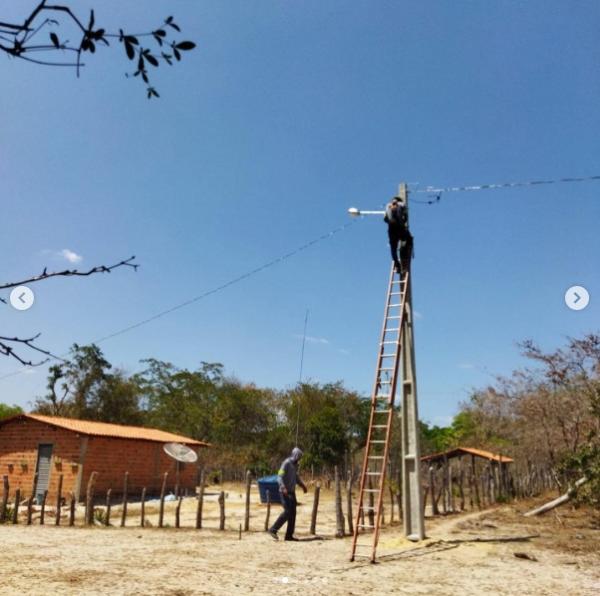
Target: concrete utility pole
(412,498)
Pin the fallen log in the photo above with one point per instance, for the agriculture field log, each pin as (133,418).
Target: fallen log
(558,501)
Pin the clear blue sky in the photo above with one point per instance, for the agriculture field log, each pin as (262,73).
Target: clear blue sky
(286,115)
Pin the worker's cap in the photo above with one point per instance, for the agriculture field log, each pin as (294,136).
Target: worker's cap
(296,453)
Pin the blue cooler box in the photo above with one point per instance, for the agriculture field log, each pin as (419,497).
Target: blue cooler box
(268,485)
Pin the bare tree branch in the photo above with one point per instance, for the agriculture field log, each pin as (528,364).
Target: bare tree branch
(71,273)
(8,344)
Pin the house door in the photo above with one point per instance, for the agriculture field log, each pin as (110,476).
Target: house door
(43,471)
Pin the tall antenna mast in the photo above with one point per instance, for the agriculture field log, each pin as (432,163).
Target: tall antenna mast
(300,375)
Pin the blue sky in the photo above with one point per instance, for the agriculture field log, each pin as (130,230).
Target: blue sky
(284,116)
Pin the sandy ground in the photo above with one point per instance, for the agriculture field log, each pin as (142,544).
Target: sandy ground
(469,553)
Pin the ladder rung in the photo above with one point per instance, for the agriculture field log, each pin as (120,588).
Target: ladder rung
(379,426)
(370,490)
(379,441)
(382,411)
(396,293)
(365,527)
(384,382)
(387,368)
(392,305)
(389,342)
(375,457)
(373,473)
(393,329)
(394,317)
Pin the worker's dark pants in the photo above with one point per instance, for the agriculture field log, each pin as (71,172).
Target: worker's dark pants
(287,515)
(400,235)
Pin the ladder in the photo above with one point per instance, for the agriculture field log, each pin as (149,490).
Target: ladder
(372,479)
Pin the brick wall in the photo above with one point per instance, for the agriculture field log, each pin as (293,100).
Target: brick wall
(19,441)
(145,461)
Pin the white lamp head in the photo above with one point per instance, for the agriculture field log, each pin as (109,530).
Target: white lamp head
(354,212)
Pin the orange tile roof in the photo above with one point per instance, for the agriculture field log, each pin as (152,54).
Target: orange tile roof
(478,452)
(103,429)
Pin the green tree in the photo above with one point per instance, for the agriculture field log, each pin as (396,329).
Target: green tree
(7,411)
(179,400)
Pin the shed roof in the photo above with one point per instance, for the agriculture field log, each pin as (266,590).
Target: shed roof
(470,450)
(103,429)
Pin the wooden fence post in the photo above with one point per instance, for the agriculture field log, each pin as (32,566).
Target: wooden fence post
(43,510)
(143,508)
(161,511)
(339,514)
(178,511)
(29,510)
(4,503)
(89,499)
(72,510)
(125,495)
(315,509)
(434,507)
(108,507)
(247,512)
(200,503)
(15,516)
(391,490)
(58,500)
(461,490)
(349,503)
(267,517)
(222,510)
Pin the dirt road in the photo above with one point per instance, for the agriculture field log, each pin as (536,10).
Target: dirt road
(469,553)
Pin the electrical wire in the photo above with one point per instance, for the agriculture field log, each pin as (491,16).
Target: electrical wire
(215,290)
(433,190)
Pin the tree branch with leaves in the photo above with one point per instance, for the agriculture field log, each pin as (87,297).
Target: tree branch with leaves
(27,41)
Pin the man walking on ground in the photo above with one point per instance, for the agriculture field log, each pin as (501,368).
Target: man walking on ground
(398,233)
(287,478)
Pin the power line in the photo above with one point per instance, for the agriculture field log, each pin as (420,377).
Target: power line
(215,290)
(438,191)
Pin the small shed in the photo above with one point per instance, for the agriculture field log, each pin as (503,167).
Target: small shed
(462,451)
(35,450)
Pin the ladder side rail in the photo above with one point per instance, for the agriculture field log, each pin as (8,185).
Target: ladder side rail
(365,467)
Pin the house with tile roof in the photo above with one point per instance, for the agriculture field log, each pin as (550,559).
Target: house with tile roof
(37,451)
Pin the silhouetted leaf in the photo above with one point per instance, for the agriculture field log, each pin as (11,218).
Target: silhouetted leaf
(141,61)
(167,58)
(185,45)
(176,27)
(176,54)
(168,20)
(144,76)
(132,39)
(152,92)
(159,40)
(152,59)
(92,19)
(54,39)
(160,33)
(129,49)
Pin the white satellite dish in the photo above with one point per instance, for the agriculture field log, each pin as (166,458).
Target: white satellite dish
(180,452)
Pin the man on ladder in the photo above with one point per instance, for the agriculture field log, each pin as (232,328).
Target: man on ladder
(396,217)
